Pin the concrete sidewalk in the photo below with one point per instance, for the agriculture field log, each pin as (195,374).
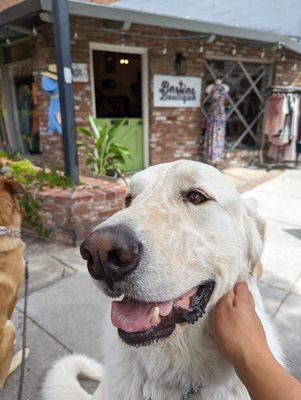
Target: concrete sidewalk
(63,317)
(279,203)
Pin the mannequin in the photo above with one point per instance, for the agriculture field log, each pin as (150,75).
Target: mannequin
(50,86)
(218,82)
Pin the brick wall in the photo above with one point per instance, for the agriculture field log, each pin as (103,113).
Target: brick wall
(71,214)
(174,132)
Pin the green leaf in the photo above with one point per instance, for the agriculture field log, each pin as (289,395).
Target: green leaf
(84,131)
(96,129)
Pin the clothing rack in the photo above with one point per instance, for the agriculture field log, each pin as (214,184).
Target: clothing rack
(283,164)
(281,89)
(286,89)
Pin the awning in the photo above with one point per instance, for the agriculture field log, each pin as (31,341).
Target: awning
(84,9)
(93,10)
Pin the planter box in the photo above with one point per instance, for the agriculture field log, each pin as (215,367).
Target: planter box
(71,214)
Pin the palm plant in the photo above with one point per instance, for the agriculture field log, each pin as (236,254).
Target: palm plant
(105,153)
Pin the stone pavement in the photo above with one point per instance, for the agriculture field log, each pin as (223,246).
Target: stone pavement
(64,305)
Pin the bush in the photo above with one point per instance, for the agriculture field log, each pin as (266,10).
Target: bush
(23,171)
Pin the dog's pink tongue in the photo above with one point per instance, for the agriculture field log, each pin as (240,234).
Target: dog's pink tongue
(134,316)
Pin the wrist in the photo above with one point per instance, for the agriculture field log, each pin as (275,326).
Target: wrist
(254,359)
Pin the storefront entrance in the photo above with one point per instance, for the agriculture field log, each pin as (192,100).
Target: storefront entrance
(118,93)
(245,101)
(26,101)
(19,116)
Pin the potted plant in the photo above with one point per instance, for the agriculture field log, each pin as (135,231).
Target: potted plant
(106,155)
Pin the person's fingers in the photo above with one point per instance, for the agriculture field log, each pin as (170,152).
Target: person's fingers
(242,292)
(226,300)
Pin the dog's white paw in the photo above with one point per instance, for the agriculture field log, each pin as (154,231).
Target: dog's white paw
(17,360)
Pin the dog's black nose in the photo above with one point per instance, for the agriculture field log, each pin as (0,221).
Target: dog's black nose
(111,252)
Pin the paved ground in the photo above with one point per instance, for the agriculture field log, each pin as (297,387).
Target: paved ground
(64,305)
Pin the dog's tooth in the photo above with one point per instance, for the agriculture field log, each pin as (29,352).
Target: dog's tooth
(155,315)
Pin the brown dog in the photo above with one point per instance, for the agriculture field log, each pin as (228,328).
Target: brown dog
(11,274)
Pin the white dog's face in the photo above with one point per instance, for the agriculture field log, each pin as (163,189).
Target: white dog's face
(184,238)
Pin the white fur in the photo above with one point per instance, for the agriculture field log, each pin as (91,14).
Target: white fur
(61,381)
(184,245)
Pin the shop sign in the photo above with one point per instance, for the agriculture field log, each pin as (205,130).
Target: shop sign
(80,72)
(177,91)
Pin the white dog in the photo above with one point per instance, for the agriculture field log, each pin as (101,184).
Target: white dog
(183,240)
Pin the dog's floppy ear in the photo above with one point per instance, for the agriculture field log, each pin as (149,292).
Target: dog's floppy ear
(13,187)
(255,232)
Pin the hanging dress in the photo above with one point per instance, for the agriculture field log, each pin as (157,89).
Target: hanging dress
(50,86)
(214,143)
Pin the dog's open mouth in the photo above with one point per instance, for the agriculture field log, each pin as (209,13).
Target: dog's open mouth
(141,323)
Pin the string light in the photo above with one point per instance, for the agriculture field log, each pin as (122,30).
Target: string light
(211,38)
(295,66)
(206,38)
(75,35)
(155,37)
(201,47)
(122,41)
(34,30)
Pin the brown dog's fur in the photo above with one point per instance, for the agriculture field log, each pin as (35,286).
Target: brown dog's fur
(11,275)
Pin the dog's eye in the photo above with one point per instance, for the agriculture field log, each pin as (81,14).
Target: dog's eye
(195,197)
(128,200)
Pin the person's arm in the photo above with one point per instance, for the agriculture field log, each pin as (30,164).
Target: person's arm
(241,338)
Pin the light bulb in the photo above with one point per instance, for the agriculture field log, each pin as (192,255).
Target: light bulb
(122,43)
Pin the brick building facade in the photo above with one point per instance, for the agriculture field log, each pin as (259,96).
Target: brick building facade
(174,133)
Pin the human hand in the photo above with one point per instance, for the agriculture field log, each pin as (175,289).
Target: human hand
(241,338)
(239,332)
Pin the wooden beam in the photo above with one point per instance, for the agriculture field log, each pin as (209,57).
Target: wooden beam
(19,11)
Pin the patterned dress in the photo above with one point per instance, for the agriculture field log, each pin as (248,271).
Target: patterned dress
(214,143)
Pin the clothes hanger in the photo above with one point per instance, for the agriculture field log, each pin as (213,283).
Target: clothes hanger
(218,82)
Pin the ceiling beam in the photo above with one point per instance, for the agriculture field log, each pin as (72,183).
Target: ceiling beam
(20,29)
(19,11)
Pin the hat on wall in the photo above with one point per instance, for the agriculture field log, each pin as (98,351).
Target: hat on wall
(51,72)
